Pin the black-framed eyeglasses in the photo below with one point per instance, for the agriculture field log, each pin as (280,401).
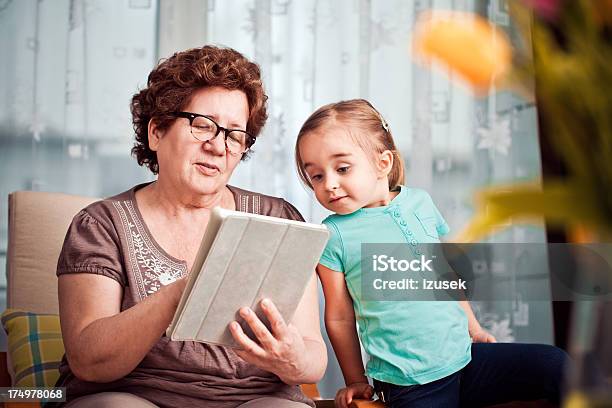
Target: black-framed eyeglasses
(204,128)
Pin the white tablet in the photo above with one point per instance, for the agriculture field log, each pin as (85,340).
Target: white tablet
(242,259)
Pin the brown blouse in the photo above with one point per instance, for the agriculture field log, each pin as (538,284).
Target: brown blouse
(110,238)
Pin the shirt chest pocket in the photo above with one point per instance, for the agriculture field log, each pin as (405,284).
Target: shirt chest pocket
(428,222)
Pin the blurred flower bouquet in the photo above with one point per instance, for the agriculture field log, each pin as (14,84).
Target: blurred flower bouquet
(565,59)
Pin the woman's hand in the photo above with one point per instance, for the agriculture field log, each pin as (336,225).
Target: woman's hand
(480,335)
(345,396)
(282,351)
(90,310)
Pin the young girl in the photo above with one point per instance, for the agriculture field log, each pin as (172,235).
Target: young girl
(420,352)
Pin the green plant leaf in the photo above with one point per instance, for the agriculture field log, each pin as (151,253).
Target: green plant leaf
(559,203)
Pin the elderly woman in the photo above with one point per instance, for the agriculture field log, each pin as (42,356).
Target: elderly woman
(123,261)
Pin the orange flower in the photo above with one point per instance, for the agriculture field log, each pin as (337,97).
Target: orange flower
(466,43)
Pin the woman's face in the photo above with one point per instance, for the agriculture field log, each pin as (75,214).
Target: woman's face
(201,167)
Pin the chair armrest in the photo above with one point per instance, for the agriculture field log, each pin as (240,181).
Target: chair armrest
(361,403)
(324,403)
(358,403)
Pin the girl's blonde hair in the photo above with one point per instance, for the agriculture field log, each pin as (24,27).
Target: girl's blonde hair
(373,134)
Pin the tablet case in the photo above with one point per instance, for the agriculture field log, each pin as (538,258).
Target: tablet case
(242,259)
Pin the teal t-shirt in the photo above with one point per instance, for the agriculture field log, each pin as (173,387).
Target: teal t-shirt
(409,342)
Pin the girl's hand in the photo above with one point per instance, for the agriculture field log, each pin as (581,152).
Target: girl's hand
(482,336)
(281,352)
(345,396)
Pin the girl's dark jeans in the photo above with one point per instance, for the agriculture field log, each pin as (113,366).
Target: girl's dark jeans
(498,372)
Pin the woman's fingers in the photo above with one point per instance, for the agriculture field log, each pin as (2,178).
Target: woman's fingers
(259,329)
(248,346)
(279,327)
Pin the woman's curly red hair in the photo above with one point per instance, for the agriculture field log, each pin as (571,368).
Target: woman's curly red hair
(173,82)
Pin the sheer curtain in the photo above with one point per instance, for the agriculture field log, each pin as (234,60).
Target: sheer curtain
(69,68)
(67,71)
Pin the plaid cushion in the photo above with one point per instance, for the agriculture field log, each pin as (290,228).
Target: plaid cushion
(35,347)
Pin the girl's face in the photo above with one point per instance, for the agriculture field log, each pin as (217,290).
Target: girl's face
(343,176)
